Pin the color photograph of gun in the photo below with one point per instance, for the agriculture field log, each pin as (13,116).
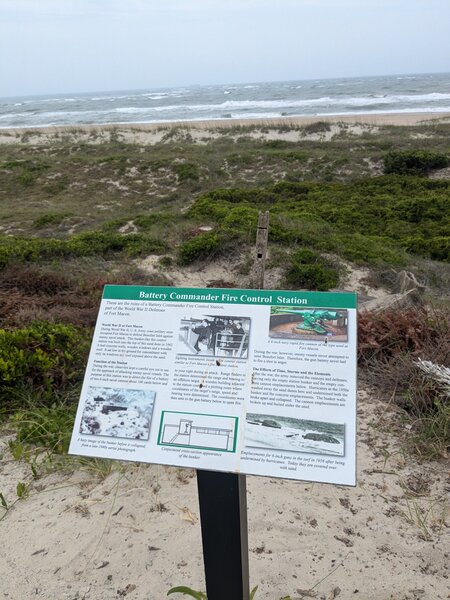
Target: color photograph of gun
(319,324)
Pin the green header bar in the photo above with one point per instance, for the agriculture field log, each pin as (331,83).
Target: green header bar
(231,296)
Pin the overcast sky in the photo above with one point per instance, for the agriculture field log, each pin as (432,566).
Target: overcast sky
(53,46)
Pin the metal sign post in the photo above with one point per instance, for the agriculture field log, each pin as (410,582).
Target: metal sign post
(223,515)
(223,500)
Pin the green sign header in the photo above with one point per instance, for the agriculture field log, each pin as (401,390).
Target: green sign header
(230,296)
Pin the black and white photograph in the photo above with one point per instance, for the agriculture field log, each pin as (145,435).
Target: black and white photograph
(319,324)
(295,435)
(118,412)
(212,335)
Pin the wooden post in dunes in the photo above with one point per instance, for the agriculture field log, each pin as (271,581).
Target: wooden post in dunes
(262,236)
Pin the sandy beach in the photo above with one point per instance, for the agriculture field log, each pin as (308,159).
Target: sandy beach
(288,128)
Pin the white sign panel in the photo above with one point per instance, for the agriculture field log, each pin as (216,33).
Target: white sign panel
(248,381)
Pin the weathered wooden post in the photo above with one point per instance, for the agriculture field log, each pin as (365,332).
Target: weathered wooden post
(262,236)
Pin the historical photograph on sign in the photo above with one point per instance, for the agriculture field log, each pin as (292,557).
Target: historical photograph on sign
(212,335)
(213,432)
(117,412)
(296,435)
(293,323)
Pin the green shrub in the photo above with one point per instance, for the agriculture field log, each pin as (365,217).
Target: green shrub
(114,224)
(414,162)
(373,220)
(43,357)
(27,179)
(17,249)
(277,144)
(206,208)
(291,155)
(436,248)
(49,219)
(439,248)
(241,219)
(200,247)
(311,277)
(186,172)
(155,218)
(166,261)
(309,270)
(364,249)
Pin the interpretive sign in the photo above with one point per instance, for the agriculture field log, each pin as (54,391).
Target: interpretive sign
(244,381)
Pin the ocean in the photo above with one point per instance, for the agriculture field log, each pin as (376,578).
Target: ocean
(351,96)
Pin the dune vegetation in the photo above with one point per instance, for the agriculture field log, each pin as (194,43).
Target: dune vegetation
(80,211)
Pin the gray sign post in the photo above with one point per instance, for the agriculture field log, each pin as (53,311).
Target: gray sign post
(223,499)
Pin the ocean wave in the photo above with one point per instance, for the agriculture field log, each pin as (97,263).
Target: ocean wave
(346,96)
(155,96)
(392,111)
(354,101)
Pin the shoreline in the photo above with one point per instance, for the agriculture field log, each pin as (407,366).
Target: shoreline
(373,119)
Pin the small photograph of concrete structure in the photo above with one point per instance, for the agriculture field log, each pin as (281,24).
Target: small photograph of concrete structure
(320,324)
(117,412)
(212,335)
(295,435)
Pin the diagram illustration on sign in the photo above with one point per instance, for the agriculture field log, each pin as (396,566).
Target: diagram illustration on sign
(198,431)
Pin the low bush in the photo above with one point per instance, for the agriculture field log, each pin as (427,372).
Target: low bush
(308,270)
(414,162)
(200,247)
(240,220)
(359,248)
(290,155)
(49,219)
(92,243)
(145,222)
(437,248)
(371,221)
(186,172)
(47,358)
(277,144)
